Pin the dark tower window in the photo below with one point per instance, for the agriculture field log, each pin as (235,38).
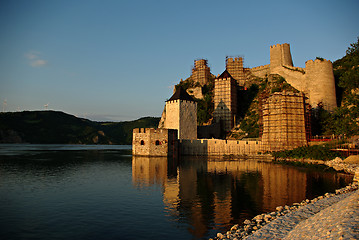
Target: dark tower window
(158,142)
(142,142)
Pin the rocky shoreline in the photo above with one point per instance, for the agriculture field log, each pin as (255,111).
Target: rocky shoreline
(332,216)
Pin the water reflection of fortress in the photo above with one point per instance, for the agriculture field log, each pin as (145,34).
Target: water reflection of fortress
(221,192)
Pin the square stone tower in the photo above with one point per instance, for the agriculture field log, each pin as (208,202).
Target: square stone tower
(285,121)
(181,114)
(225,100)
(201,72)
(154,142)
(235,67)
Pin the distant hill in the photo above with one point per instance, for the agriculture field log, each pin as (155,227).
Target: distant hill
(50,127)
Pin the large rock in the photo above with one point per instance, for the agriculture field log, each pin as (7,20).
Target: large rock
(352,159)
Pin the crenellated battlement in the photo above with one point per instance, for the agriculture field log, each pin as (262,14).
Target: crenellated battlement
(181,101)
(260,67)
(149,130)
(222,79)
(318,61)
(235,59)
(280,45)
(200,63)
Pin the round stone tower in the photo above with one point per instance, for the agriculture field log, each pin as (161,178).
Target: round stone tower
(280,55)
(320,83)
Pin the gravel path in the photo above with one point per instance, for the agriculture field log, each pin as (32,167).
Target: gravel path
(317,220)
(340,221)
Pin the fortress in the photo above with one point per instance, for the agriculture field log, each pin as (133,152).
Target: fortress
(285,115)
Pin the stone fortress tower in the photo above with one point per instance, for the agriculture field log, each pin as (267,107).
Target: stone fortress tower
(234,66)
(280,56)
(316,80)
(225,100)
(320,83)
(178,122)
(181,114)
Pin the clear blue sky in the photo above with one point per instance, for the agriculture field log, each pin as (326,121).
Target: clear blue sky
(118,60)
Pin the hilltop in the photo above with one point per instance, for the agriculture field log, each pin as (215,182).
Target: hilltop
(49,127)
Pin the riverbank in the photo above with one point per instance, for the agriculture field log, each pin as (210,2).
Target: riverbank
(332,216)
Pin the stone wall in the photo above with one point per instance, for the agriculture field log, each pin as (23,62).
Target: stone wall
(261,71)
(217,147)
(154,142)
(296,78)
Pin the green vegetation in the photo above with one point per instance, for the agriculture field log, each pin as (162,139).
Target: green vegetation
(248,102)
(58,127)
(205,106)
(315,152)
(121,132)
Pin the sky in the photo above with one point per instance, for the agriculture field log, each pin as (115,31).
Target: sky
(119,60)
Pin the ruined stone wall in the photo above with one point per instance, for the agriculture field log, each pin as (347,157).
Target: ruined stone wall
(154,142)
(294,76)
(182,115)
(316,81)
(225,102)
(321,83)
(195,92)
(217,147)
(201,73)
(235,67)
(284,121)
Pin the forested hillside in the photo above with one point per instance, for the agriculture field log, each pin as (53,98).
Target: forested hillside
(58,127)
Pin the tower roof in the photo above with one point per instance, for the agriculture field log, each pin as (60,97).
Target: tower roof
(180,94)
(225,74)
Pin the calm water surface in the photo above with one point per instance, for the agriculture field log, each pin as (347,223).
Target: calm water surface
(102,192)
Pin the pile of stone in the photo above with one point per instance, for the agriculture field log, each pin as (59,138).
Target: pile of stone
(259,221)
(339,165)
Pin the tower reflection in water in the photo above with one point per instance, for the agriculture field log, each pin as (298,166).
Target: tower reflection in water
(212,195)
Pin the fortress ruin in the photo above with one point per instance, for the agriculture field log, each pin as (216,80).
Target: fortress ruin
(285,116)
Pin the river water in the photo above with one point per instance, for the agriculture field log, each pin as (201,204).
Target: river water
(102,192)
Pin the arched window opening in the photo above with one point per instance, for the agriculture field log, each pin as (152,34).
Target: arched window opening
(158,142)
(142,142)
